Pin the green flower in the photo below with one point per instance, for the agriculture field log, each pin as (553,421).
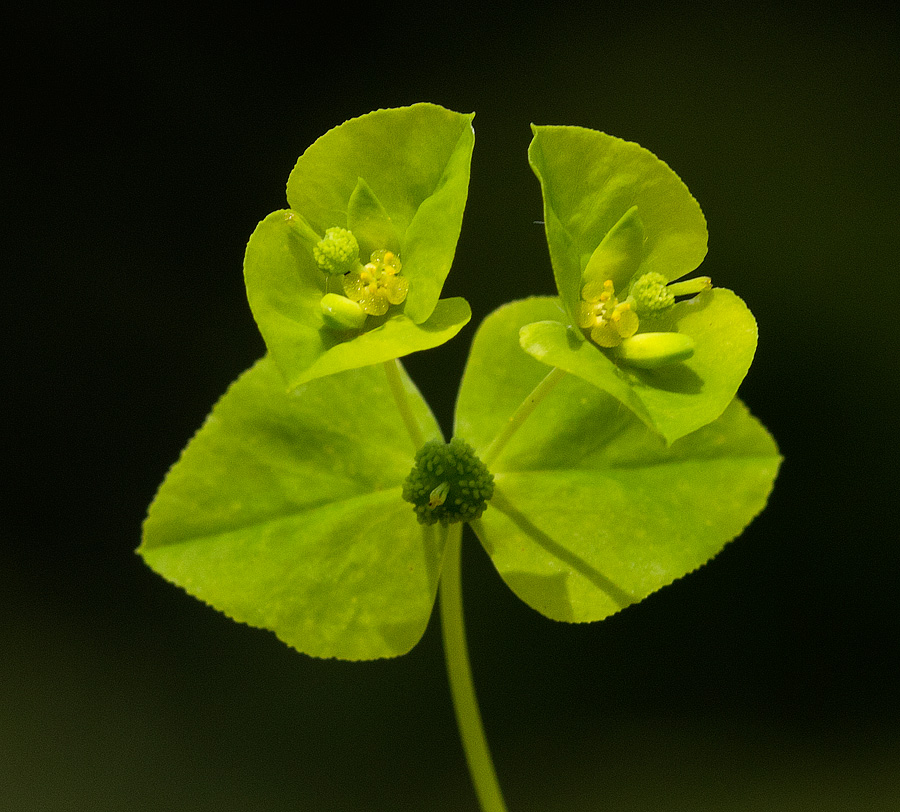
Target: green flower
(611,323)
(393,182)
(622,228)
(287,511)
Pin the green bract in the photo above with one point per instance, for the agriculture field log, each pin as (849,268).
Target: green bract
(397,181)
(285,512)
(321,511)
(592,510)
(328,510)
(613,211)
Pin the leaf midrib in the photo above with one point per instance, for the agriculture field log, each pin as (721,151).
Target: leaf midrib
(306,509)
(640,466)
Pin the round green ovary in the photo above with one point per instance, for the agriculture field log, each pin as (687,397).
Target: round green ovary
(448,483)
(338,252)
(650,293)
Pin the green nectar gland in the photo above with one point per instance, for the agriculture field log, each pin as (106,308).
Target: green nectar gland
(339,313)
(448,483)
(338,252)
(654,350)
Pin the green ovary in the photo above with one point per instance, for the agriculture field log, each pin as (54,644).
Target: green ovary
(338,252)
(448,483)
(651,294)
(378,284)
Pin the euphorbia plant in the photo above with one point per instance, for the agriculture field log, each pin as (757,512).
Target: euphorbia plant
(599,452)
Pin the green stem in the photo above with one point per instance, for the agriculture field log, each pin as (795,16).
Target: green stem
(521,414)
(395,381)
(468,716)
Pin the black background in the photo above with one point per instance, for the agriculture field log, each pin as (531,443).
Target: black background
(140,154)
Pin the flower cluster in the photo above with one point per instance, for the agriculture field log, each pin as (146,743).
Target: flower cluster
(369,290)
(614,324)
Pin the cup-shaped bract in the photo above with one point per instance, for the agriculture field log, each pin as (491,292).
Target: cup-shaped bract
(285,512)
(397,179)
(615,214)
(591,509)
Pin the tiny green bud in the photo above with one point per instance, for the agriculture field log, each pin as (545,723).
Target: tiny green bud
(448,483)
(439,495)
(340,313)
(338,252)
(652,350)
(652,291)
(690,286)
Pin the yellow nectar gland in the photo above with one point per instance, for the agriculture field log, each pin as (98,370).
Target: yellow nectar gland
(378,284)
(609,320)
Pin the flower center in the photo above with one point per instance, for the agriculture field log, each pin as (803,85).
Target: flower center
(448,483)
(378,284)
(609,320)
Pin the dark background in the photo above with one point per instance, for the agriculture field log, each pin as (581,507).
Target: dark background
(140,154)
